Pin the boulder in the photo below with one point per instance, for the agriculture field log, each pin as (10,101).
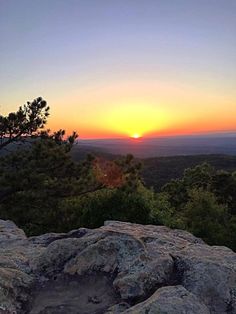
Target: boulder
(118,268)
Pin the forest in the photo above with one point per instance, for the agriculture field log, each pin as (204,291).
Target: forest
(43,189)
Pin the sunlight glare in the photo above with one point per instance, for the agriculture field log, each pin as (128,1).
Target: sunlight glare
(136,136)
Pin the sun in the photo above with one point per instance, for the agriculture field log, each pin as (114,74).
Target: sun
(136,135)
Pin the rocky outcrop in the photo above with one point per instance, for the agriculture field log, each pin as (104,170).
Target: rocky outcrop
(118,268)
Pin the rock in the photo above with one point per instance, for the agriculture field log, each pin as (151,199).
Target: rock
(65,294)
(171,300)
(118,308)
(138,272)
(118,268)
(9,231)
(46,239)
(14,289)
(209,273)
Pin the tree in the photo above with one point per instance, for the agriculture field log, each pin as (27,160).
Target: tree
(161,213)
(92,209)
(26,122)
(200,176)
(224,187)
(44,190)
(203,202)
(36,179)
(205,217)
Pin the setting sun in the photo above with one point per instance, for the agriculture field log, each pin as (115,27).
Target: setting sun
(136,135)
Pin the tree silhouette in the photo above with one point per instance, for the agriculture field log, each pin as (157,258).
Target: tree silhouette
(26,122)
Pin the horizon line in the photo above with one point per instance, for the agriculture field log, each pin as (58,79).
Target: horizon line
(220,133)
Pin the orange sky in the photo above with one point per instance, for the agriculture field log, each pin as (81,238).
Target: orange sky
(148,108)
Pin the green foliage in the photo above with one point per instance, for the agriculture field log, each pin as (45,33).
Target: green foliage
(204,202)
(58,203)
(197,177)
(34,180)
(205,217)
(230,240)
(93,209)
(45,167)
(32,211)
(224,187)
(161,212)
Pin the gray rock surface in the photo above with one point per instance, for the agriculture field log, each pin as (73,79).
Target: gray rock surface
(118,268)
(172,300)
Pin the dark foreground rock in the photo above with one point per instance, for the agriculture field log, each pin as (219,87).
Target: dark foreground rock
(118,268)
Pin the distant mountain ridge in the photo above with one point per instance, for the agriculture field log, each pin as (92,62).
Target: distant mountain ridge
(157,171)
(165,146)
(178,154)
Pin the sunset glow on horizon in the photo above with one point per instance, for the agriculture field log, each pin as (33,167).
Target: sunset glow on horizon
(118,69)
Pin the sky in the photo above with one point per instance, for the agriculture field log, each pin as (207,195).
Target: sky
(111,68)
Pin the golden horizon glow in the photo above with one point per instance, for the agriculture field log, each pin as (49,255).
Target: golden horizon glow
(149,108)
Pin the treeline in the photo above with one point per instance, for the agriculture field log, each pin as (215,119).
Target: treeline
(203,202)
(158,171)
(43,190)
